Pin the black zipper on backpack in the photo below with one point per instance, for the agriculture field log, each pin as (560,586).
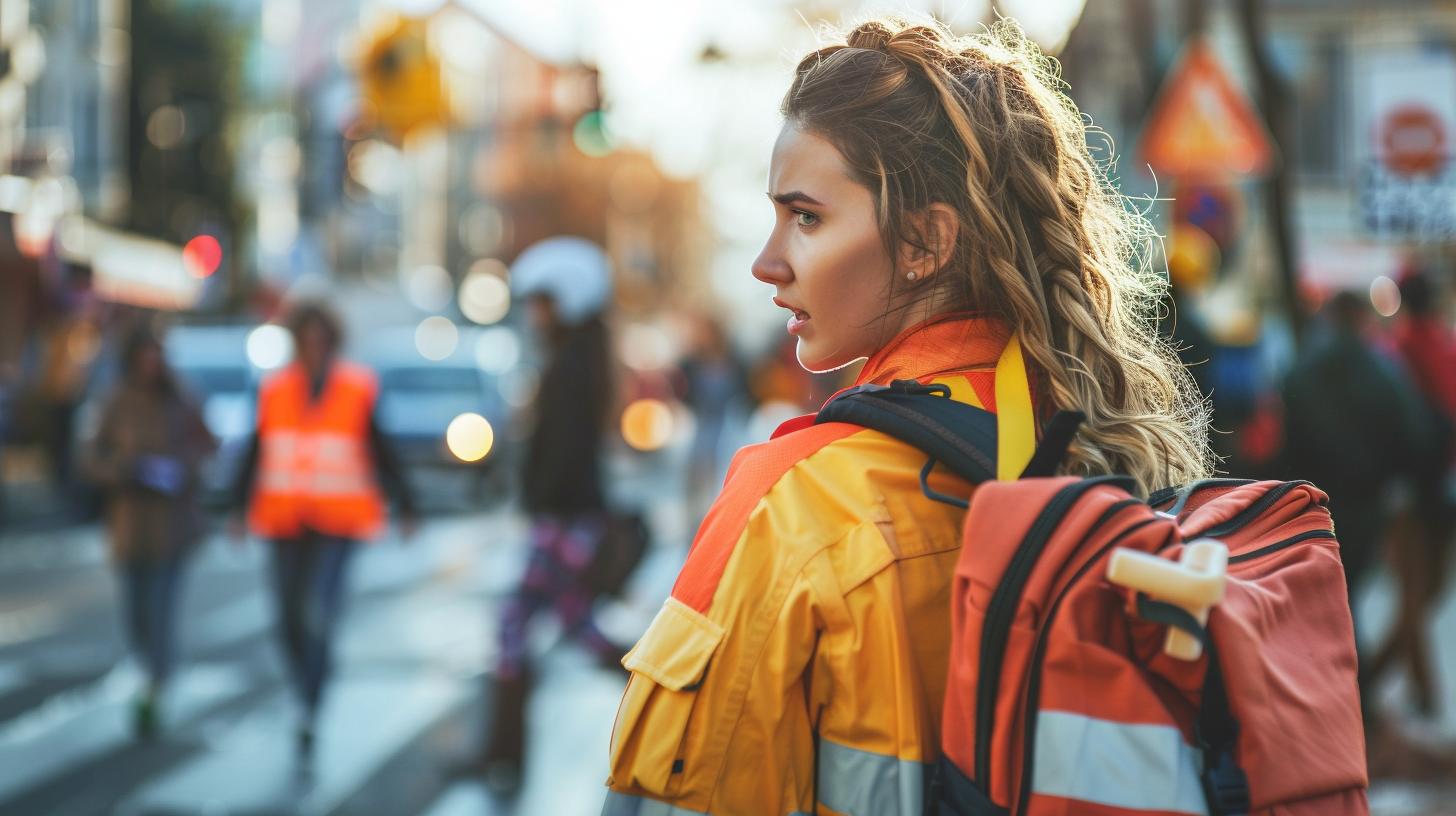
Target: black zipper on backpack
(1001,611)
(1186,492)
(1279,545)
(1038,656)
(1248,514)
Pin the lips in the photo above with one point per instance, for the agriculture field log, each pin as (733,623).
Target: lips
(797,320)
(799,314)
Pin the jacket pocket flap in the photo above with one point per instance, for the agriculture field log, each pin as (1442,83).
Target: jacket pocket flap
(675,649)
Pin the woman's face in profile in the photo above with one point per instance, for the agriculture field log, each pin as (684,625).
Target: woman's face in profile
(825,257)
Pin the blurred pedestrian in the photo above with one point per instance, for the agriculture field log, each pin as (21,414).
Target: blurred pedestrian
(149,445)
(1355,426)
(716,390)
(936,212)
(65,370)
(1420,543)
(311,482)
(564,284)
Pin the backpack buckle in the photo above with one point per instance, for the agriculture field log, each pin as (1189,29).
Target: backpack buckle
(917,387)
(1225,786)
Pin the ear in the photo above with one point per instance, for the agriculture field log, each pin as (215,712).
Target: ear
(935,229)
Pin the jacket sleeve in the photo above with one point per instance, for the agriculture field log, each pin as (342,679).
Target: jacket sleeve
(388,470)
(715,718)
(878,680)
(244,482)
(754,660)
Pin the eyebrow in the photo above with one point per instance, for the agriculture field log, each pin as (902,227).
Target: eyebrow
(795,196)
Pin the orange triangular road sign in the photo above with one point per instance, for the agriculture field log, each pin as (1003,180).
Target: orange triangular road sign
(1201,125)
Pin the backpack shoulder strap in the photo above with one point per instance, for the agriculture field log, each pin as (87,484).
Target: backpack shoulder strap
(960,436)
(974,443)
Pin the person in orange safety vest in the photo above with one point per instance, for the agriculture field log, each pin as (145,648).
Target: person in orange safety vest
(937,212)
(311,483)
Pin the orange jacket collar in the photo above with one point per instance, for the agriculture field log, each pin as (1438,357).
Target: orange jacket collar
(940,345)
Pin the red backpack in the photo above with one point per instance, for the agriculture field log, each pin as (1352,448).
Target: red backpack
(1061,698)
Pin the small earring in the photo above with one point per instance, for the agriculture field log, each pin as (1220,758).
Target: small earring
(911,275)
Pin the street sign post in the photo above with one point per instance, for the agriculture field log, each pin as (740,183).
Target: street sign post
(1202,126)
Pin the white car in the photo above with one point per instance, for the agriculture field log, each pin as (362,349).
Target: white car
(440,414)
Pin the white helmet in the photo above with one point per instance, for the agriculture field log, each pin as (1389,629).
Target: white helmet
(574,271)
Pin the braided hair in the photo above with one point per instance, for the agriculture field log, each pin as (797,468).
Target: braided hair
(981,123)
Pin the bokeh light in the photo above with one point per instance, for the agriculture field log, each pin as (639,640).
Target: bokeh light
(647,424)
(591,135)
(1048,22)
(428,287)
(484,298)
(278,223)
(269,346)
(202,256)
(376,165)
(166,126)
(1385,296)
(647,347)
(469,437)
(436,338)
(497,350)
(490,266)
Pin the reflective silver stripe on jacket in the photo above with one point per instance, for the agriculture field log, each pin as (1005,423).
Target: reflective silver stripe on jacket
(625,804)
(315,463)
(864,783)
(1123,765)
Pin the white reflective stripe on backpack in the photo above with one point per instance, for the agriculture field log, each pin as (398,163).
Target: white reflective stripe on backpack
(1136,766)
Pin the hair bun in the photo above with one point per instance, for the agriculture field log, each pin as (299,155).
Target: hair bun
(873,35)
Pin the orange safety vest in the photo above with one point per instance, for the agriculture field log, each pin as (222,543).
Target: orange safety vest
(314,468)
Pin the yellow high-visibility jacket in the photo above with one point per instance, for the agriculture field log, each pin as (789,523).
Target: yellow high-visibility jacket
(799,665)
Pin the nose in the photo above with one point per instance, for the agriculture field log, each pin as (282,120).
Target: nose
(770,267)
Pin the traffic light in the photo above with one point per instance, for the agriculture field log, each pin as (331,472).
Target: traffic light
(202,256)
(400,78)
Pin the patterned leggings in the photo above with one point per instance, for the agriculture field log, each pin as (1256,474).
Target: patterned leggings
(561,551)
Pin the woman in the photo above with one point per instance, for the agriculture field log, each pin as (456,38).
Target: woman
(312,484)
(938,213)
(561,484)
(1420,540)
(148,447)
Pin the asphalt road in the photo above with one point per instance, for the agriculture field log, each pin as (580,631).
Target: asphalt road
(415,646)
(414,655)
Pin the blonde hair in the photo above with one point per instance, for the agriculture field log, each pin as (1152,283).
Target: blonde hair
(1045,242)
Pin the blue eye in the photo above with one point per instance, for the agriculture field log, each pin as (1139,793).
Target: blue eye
(805,218)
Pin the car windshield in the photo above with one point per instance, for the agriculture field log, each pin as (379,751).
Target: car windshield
(436,380)
(216,379)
